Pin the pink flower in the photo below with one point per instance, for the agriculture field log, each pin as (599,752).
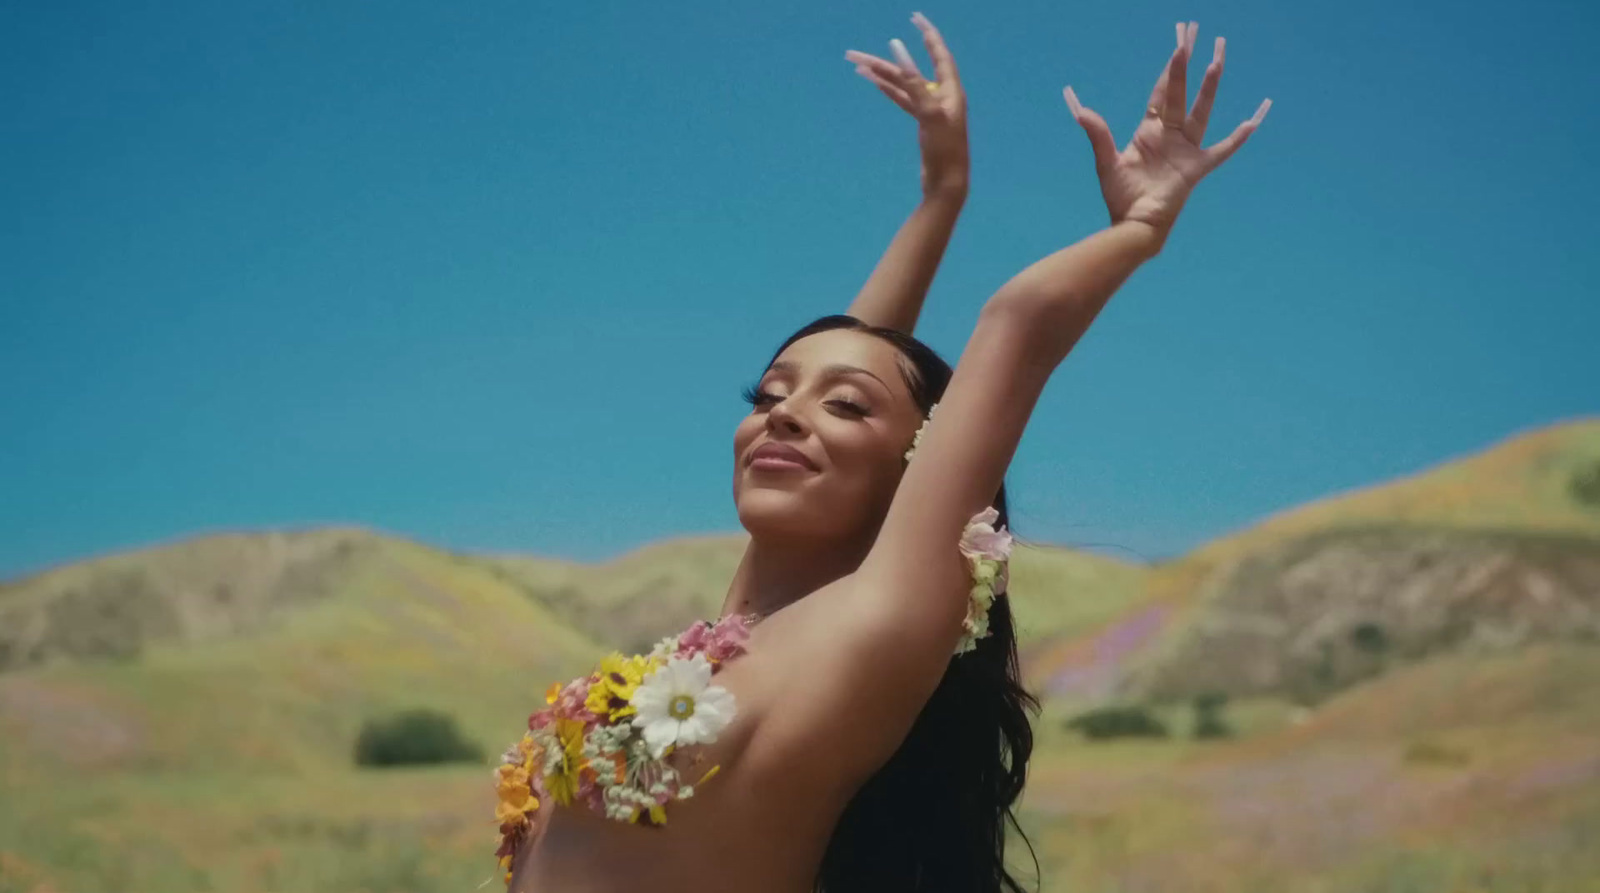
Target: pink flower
(569,704)
(727,639)
(539,720)
(694,639)
(718,643)
(981,540)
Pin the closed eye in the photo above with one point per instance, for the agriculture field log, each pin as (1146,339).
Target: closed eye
(756,397)
(849,406)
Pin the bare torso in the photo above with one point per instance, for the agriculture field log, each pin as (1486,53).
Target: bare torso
(761,823)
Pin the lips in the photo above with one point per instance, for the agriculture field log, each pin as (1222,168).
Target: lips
(778,457)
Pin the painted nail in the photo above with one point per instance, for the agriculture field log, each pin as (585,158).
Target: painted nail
(1072,102)
(901,54)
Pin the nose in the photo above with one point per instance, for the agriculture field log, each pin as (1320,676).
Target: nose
(781,417)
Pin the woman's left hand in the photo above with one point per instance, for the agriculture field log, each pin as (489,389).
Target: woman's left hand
(1150,179)
(940,106)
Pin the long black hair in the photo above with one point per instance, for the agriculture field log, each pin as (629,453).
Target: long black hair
(934,817)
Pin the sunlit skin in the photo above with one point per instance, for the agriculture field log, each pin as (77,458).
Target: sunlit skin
(840,400)
(852,555)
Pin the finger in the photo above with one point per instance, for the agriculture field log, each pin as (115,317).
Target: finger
(944,64)
(885,69)
(1100,139)
(1230,144)
(1158,94)
(903,56)
(893,91)
(1176,102)
(1200,114)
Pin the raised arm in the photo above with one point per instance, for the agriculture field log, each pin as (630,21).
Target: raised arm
(892,296)
(1026,330)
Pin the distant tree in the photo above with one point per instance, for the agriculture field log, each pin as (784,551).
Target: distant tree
(414,737)
(1585,485)
(1369,637)
(1208,721)
(1131,721)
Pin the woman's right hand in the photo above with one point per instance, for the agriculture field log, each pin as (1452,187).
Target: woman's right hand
(939,106)
(1151,178)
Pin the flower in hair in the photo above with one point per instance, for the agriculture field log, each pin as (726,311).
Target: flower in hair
(988,552)
(916,439)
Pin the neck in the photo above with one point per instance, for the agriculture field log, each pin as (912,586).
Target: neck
(778,572)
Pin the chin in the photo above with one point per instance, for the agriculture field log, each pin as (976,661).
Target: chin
(766,512)
(773,514)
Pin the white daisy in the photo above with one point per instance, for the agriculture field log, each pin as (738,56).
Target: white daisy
(678,705)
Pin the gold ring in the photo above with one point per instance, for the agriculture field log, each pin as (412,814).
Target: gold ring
(933,86)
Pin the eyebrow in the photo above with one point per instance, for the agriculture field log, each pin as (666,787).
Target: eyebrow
(831,371)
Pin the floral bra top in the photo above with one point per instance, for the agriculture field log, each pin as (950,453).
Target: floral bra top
(605,740)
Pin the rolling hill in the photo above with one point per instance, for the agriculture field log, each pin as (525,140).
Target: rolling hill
(1490,551)
(181,718)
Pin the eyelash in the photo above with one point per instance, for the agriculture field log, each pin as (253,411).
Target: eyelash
(758,397)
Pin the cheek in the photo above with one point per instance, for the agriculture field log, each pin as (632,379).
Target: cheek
(745,434)
(867,457)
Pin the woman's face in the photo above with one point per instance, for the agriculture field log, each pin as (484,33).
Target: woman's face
(823,448)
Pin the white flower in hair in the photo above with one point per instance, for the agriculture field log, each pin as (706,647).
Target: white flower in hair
(916,440)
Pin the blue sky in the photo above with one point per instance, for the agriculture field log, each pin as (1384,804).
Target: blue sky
(492,274)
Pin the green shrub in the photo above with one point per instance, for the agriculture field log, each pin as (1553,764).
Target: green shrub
(414,737)
(1585,485)
(1369,637)
(1208,721)
(1131,721)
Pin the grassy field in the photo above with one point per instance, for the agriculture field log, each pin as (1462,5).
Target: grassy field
(182,719)
(1458,775)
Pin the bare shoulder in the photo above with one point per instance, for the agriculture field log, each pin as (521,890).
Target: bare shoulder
(830,689)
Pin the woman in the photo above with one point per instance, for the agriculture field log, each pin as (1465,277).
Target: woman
(821,735)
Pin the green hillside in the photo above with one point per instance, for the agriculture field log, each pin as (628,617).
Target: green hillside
(182,718)
(1488,551)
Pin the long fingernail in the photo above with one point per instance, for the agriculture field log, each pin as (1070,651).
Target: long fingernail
(1072,101)
(1180,35)
(919,19)
(901,54)
(1261,113)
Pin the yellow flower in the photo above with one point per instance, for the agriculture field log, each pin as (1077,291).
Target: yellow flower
(563,782)
(612,691)
(516,795)
(531,752)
